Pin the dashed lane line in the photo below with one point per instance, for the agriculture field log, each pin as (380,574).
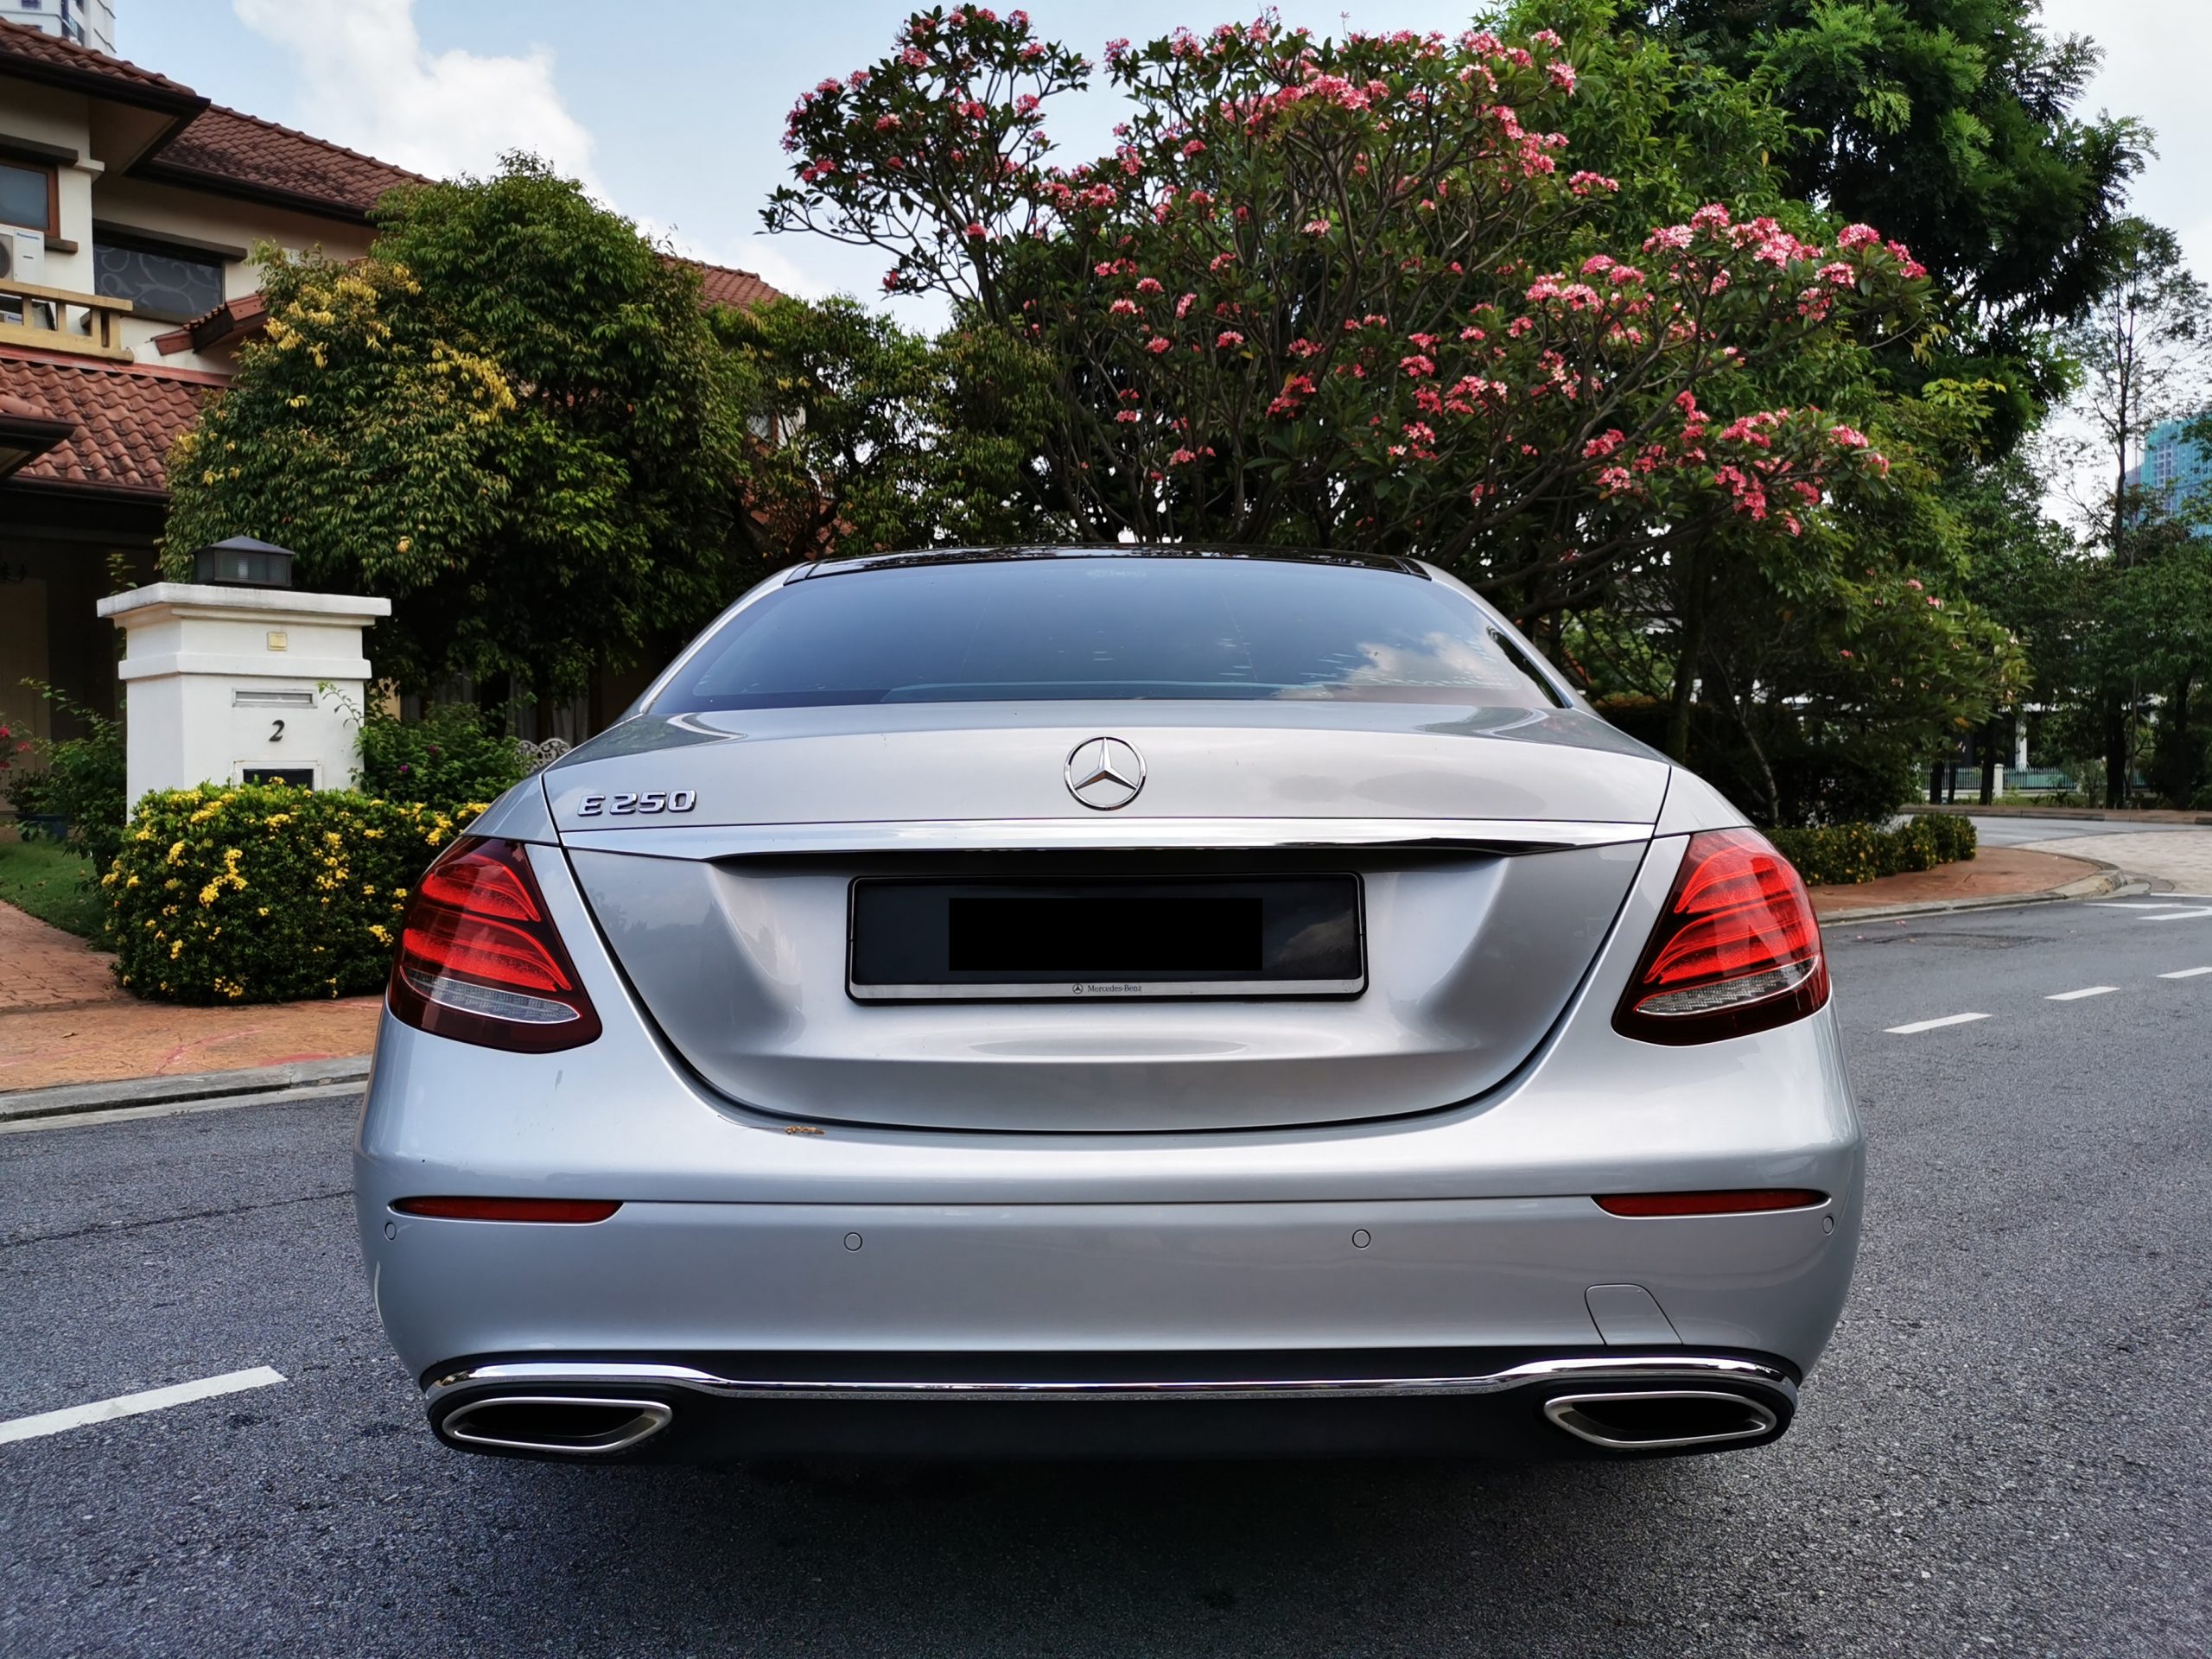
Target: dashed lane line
(129,1405)
(2186,973)
(2075,996)
(1931,1025)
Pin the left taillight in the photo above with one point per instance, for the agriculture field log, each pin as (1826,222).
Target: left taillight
(1737,951)
(480,961)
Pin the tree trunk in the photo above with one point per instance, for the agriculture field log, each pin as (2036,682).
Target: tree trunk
(2116,755)
(1685,691)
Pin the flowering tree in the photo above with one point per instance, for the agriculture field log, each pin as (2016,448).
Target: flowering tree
(1354,292)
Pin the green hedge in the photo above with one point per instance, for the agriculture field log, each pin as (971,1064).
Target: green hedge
(1848,852)
(262,893)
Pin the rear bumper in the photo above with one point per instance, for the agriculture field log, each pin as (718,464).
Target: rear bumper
(932,1279)
(1464,1402)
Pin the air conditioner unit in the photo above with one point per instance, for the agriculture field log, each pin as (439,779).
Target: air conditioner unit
(22,259)
(23,255)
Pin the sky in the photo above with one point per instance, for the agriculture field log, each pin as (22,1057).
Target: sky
(671,110)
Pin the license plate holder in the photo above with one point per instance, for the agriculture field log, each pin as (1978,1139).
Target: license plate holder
(927,939)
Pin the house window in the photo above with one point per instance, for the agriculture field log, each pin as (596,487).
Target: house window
(28,193)
(174,285)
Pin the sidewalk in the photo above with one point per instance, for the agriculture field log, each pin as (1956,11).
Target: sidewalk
(2181,860)
(64,1020)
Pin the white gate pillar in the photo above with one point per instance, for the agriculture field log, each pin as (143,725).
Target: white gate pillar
(233,684)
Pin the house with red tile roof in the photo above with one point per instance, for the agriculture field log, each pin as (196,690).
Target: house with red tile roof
(128,206)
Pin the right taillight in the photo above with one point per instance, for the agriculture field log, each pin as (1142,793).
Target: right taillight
(479,960)
(1737,952)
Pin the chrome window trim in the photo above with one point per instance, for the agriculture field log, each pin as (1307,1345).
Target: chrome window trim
(1592,1369)
(1119,834)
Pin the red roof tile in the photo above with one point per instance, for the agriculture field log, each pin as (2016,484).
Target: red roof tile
(725,285)
(126,418)
(35,55)
(223,149)
(226,324)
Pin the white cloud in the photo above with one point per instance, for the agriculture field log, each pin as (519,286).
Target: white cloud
(372,85)
(763,257)
(2154,69)
(778,269)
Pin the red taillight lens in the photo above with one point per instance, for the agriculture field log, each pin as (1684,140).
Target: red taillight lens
(1737,952)
(568,1211)
(479,960)
(1737,1201)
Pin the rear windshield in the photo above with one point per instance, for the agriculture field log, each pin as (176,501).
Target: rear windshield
(1032,629)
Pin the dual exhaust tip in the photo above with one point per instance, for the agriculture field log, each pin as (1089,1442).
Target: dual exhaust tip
(554,1424)
(1661,1420)
(590,1427)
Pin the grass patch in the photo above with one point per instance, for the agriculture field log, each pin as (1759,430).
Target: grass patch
(54,885)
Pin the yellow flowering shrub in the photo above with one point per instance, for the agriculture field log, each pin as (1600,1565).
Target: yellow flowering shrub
(257,892)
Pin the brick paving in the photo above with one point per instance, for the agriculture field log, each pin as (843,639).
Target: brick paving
(64,1019)
(42,967)
(1996,872)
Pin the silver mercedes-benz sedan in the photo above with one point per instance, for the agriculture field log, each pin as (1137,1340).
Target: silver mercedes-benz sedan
(1101,1001)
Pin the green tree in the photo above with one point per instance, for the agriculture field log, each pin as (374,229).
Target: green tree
(870,436)
(2145,355)
(511,419)
(1953,124)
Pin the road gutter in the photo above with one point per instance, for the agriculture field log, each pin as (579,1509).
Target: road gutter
(134,1097)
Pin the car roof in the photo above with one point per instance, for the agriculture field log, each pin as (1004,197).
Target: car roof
(847,564)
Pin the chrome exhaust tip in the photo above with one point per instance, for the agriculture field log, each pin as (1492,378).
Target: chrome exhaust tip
(554,1424)
(1661,1420)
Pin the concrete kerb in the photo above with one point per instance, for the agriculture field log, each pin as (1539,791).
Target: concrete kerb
(152,1096)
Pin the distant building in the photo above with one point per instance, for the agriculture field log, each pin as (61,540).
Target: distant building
(128,206)
(2179,469)
(84,23)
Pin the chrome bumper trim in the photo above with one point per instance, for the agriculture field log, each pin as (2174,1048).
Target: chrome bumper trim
(1591,1369)
(1117,834)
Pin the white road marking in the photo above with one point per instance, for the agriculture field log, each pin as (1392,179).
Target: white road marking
(2075,996)
(2187,972)
(1930,1025)
(2131,904)
(129,1405)
(2181,916)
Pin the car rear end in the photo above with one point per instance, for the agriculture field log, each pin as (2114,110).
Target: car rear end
(1408,1061)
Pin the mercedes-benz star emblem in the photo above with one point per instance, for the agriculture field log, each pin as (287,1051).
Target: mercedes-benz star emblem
(1104,773)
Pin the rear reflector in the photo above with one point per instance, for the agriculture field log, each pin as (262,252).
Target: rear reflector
(1737,952)
(479,960)
(564,1210)
(1741,1201)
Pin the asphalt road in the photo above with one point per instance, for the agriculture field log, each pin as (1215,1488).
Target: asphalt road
(2025,832)
(2007,1450)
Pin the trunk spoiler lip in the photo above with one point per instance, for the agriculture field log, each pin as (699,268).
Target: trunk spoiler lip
(1502,836)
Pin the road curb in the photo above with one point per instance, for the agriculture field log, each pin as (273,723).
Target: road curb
(69,1099)
(2109,879)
